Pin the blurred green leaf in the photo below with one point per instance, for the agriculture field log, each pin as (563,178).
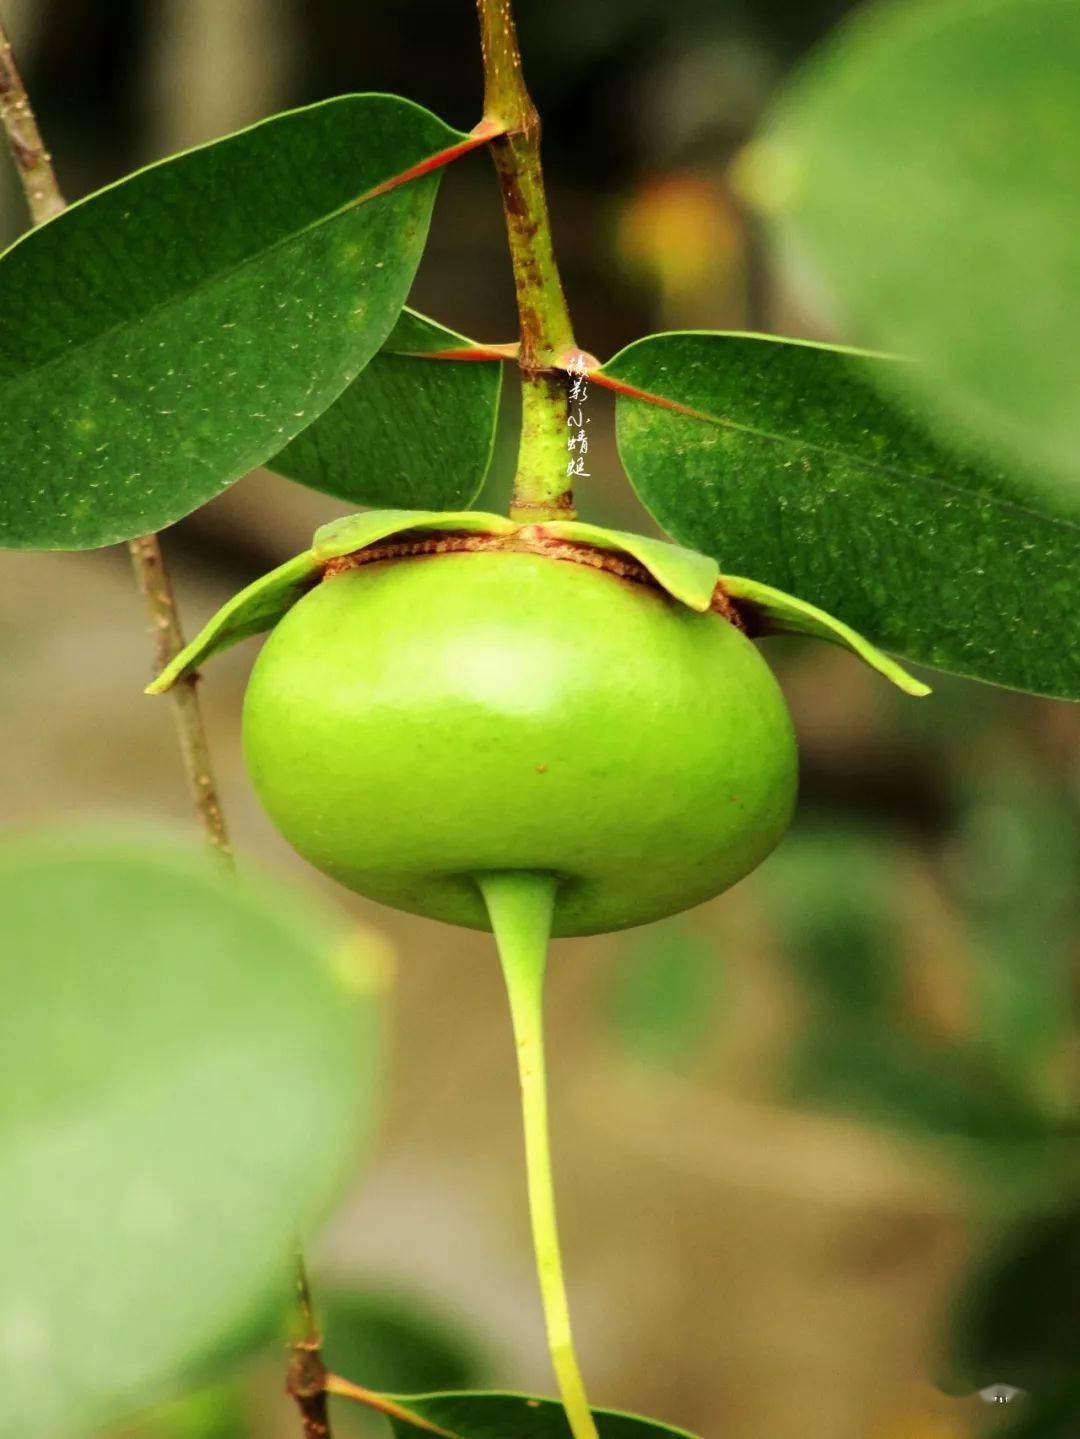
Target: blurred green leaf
(392,1342)
(904,1080)
(1012,872)
(188,1062)
(926,163)
(795,471)
(508,1416)
(167,334)
(831,894)
(663,995)
(220,1412)
(1018,1315)
(1045,1416)
(409,432)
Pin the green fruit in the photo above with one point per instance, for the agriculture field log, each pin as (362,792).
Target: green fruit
(414,722)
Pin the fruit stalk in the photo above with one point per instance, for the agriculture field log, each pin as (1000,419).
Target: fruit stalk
(45,201)
(520,906)
(541,488)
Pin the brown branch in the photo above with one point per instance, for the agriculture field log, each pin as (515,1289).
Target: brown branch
(153,580)
(306,1386)
(43,197)
(45,201)
(541,489)
(306,1379)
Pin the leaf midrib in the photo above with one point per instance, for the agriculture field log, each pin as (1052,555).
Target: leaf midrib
(889,472)
(221,277)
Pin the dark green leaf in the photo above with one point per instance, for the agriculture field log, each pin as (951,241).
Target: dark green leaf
(409,431)
(832,898)
(663,998)
(170,332)
(508,1416)
(877,1072)
(391,1342)
(188,1062)
(1018,1315)
(1045,1415)
(926,163)
(795,471)
(1013,874)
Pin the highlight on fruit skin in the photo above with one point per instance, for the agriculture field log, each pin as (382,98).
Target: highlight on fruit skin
(444,696)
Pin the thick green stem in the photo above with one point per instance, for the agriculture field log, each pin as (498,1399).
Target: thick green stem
(520,907)
(541,485)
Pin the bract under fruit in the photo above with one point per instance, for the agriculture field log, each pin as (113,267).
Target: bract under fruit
(414,722)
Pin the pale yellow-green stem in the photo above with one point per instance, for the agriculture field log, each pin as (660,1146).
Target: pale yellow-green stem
(520,905)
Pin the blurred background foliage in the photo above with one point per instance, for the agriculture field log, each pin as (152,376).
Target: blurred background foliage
(816,1141)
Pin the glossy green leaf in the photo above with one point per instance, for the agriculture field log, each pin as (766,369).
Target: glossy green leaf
(187,1063)
(170,332)
(409,431)
(794,470)
(925,164)
(506,1416)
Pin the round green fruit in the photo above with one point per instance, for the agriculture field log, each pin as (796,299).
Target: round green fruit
(414,722)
